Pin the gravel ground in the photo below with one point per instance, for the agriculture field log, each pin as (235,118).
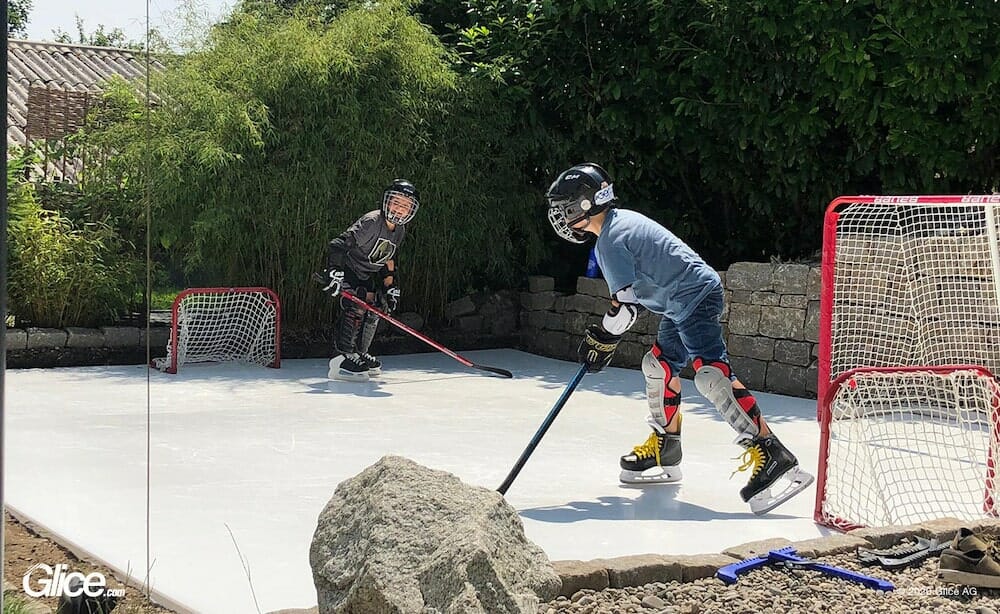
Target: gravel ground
(776,589)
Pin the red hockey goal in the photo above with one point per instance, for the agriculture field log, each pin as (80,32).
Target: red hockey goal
(224,324)
(909,331)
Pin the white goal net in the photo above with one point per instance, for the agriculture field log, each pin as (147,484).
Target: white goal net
(224,324)
(908,281)
(901,446)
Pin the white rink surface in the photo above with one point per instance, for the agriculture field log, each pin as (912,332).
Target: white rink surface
(251,455)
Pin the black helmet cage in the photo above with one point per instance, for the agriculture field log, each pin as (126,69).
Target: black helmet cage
(578,193)
(400,187)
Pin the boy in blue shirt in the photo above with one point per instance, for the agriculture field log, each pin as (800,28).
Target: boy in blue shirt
(647,266)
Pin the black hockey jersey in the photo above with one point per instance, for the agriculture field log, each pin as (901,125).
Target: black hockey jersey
(366,246)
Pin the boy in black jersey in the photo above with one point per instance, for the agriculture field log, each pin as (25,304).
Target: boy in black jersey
(362,261)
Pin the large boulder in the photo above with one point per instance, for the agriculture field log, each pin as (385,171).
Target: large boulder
(400,538)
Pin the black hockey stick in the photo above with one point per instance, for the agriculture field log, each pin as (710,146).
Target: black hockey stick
(437,346)
(549,419)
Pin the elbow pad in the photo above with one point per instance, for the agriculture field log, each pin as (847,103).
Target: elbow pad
(621,318)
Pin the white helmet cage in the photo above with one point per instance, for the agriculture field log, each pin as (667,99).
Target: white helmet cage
(400,189)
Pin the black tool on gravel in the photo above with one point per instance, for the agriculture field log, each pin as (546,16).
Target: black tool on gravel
(899,557)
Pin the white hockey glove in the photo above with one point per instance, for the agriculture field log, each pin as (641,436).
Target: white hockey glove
(392,298)
(335,283)
(621,317)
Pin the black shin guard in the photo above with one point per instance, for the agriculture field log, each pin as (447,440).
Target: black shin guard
(349,324)
(368,329)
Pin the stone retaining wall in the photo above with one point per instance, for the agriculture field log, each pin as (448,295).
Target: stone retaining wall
(771,324)
(641,569)
(49,347)
(481,321)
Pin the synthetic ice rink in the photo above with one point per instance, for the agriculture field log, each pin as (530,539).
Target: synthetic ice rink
(243,459)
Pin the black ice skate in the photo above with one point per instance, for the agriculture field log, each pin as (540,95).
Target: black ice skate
(660,455)
(348,367)
(769,461)
(373,364)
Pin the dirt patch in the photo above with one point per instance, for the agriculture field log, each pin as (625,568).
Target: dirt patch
(24,548)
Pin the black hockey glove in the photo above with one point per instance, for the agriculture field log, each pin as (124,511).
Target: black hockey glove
(334,281)
(597,348)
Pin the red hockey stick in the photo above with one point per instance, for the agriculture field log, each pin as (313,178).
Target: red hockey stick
(437,346)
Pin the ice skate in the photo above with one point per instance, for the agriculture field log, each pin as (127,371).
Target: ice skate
(373,364)
(657,461)
(348,367)
(770,464)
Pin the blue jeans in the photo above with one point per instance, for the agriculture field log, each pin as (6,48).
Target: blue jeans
(697,336)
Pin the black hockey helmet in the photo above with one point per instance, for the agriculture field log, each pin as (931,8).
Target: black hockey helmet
(400,188)
(578,193)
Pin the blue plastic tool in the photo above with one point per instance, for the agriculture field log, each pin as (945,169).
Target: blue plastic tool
(729,573)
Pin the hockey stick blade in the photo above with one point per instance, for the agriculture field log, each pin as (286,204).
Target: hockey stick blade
(318,278)
(497,370)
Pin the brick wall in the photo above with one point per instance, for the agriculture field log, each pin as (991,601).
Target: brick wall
(771,324)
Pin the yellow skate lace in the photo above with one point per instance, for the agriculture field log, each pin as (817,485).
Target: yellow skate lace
(651,447)
(752,457)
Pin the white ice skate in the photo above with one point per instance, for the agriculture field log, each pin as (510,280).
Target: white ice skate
(348,368)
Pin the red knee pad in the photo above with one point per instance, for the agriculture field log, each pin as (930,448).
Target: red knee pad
(719,364)
(671,397)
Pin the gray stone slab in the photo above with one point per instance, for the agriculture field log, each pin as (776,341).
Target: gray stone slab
(753,276)
(761,348)
(750,371)
(792,352)
(765,298)
(744,319)
(753,549)
(811,326)
(159,336)
(120,336)
(696,566)
(537,300)
(84,337)
(592,286)
(541,283)
(461,307)
(787,379)
(829,545)
(17,339)
(46,338)
(791,278)
(782,322)
(470,323)
(798,301)
(887,537)
(579,575)
(814,284)
(640,569)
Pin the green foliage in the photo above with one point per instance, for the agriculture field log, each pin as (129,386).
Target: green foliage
(284,130)
(101,37)
(736,122)
(17,17)
(16,603)
(65,272)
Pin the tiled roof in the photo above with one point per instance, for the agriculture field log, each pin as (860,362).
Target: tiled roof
(60,71)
